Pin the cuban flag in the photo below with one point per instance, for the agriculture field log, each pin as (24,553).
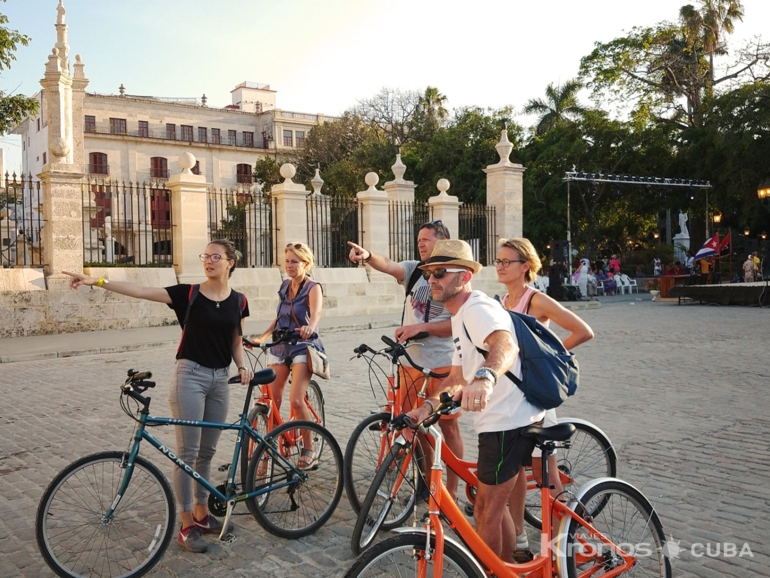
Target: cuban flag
(709,248)
(725,247)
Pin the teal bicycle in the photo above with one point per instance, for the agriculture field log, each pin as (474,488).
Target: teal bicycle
(112,514)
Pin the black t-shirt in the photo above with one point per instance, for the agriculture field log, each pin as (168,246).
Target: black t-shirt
(208,336)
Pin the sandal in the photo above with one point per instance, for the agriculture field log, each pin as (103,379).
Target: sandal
(307,460)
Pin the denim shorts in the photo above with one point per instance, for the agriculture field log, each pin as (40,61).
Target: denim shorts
(288,361)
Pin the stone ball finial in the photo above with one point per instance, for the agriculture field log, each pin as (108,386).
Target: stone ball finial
(372,179)
(288,171)
(78,59)
(186,161)
(443,186)
(55,51)
(60,148)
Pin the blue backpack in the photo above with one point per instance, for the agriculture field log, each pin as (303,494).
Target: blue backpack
(550,373)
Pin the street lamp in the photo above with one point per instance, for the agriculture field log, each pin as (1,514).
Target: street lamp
(763,193)
(746,232)
(717,218)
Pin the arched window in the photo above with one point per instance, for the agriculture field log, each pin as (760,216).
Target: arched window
(243,173)
(97,164)
(159,168)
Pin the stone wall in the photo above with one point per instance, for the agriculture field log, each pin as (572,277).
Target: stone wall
(28,308)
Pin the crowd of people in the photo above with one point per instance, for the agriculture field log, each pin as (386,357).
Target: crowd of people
(439,300)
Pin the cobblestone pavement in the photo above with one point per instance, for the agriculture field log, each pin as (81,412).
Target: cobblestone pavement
(679,389)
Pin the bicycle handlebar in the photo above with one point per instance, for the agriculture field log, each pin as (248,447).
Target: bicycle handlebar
(396,350)
(290,337)
(446,406)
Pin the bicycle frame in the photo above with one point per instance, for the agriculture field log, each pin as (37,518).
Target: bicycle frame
(231,497)
(541,566)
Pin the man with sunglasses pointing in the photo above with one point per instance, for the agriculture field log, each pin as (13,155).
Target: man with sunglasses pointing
(421,313)
(499,408)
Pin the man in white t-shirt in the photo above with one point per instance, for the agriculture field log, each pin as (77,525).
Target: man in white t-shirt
(422,314)
(498,405)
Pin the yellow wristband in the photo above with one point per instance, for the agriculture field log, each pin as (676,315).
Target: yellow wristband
(100,282)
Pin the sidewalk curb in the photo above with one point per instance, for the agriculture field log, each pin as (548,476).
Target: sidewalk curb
(167,343)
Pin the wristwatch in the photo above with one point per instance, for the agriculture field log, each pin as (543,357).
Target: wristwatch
(486,373)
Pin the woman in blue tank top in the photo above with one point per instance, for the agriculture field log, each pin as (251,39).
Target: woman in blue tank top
(299,309)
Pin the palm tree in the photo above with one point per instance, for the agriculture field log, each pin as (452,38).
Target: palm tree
(718,19)
(560,105)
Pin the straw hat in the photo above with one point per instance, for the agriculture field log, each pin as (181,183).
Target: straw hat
(453,252)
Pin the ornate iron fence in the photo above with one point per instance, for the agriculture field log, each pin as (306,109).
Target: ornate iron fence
(246,218)
(405,219)
(477,227)
(21,221)
(331,223)
(126,223)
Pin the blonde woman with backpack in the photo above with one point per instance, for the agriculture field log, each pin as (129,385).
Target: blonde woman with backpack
(517,265)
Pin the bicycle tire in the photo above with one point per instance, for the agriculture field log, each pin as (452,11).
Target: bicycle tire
(257,419)
(71,511)
(400,556)
(302,507)
(388,488)
(628,519)
(315,398)
(362,456)
(591,456)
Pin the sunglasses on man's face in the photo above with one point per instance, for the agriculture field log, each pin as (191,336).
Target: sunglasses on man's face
(440,272)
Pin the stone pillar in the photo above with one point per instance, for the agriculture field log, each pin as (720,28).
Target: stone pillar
(374,219)
(505,191)
(446,208)
(63,229)
(402,192)
(190,233)
(290,212)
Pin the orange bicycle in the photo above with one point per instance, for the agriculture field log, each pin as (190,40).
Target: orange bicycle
(606,529)
(264,415)
(395,481)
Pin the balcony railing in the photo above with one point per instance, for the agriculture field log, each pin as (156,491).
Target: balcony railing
(222,140)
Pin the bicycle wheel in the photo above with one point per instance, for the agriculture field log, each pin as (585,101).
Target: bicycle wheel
(315,399)
(404,555)
(72,534)
(364,452)
(257,418)
(590,456)
(628,519)
(295,507)
(382,508)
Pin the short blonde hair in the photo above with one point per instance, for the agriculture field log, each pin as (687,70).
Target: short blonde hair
(303,253)
(526,251)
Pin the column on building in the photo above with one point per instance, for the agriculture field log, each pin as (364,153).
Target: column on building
(446,208)
(189,210)
(401,215)
(505,191)
(290,212)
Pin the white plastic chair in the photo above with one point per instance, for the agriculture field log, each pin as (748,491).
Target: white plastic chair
(630,284)
(620,284)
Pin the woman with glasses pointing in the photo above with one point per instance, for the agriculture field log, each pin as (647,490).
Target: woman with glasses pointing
(211,315)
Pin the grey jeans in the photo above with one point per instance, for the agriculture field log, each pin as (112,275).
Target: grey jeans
(201,394)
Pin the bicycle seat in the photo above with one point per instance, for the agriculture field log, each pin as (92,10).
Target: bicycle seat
(557,433)
(260,378)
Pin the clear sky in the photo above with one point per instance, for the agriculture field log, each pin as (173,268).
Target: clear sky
(324,55)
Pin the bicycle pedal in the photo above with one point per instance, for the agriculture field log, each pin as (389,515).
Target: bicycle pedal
(228,538)
(523,556)
(224,467)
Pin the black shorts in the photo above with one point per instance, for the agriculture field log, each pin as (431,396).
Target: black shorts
(502,454)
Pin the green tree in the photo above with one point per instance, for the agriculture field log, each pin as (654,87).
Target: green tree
(14,108)
(560,105)
(664,72)
(267,172)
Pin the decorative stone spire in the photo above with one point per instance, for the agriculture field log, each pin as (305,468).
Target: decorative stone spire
(61,37)
(443,186)
(122,90)
(399,168)
(77,68)
(504,147)
(204,100)
(317,183)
